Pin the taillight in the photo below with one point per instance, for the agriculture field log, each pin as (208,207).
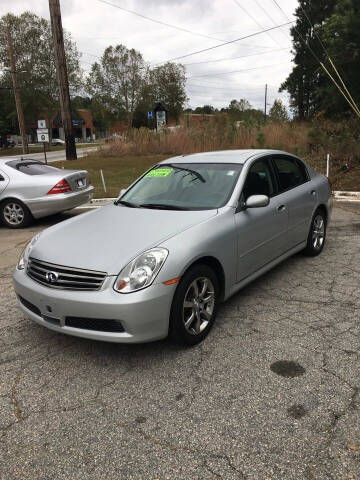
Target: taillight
(60,187)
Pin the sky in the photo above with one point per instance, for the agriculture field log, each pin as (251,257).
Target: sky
(237,70)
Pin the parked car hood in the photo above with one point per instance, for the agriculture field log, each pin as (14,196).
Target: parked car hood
(108,238)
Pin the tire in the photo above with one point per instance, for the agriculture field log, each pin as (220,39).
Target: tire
(14,214)
(317,234)
(191,323)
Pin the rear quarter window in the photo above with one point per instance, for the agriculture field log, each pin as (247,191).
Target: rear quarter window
(31,167)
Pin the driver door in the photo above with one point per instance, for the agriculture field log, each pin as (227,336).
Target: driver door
(261,232)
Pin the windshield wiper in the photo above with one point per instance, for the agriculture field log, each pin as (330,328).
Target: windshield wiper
(126,204)
(197,174)
(162,206)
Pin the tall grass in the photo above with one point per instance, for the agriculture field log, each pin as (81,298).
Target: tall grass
(218,134)
(310,141)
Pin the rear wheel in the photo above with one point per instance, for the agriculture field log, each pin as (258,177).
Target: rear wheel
(194,306)
(317,234)
(14,214)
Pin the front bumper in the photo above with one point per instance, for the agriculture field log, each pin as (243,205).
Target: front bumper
(144,315)
(50,204)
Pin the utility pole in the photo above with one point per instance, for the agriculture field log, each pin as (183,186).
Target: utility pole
(64,94)
(19,109)
(265,108)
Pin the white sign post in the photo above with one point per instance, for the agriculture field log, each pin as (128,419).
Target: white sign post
(41,123)
(160,120)
(43,136)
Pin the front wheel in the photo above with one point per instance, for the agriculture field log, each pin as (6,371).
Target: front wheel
(317,234)
(194,306)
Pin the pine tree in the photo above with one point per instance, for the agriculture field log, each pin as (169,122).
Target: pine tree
(306,78)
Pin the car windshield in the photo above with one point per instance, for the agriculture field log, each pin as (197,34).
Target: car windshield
(184,186)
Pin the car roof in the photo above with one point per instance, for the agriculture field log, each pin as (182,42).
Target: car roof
(222,156)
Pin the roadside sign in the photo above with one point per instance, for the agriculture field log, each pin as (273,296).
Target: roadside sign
(41,123)
(160,119)
(150,115)
(42,134)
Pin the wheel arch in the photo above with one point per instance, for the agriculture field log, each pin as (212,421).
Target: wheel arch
(216,266)
(323,207)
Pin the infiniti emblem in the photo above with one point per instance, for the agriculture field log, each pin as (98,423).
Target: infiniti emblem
(51,277)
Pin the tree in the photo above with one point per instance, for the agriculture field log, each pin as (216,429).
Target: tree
(116,83)
(164,83)
(307,79)
(239,106)
(278,111)
(35,64)
(341,35)
(167,83)
(205,110)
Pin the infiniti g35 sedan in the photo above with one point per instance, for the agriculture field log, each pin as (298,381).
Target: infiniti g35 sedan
(185,236)
(30,189)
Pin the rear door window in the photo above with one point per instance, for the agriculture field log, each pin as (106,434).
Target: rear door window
(31,167)
(291,172)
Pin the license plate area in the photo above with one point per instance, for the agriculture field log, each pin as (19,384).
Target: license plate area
(81,182)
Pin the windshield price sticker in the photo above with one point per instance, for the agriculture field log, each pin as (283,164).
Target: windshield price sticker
(159,172)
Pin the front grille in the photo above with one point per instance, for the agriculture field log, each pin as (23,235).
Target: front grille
(69,278)
(97,324)
(29,306)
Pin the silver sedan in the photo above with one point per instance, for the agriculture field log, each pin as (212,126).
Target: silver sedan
(187,235)
(30,189)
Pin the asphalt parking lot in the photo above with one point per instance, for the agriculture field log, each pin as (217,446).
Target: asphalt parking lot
(76,409)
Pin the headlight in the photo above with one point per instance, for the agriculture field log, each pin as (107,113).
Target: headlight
(141,272)
(24,257)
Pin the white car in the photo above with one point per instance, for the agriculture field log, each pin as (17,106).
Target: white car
(30,189)
(57,141)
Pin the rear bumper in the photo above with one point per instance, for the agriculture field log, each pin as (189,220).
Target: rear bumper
(43,206)
(144,315)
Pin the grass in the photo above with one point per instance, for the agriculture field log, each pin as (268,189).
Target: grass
(118,172)
(18,150)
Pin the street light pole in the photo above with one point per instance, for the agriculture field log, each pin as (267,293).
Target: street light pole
(19,108)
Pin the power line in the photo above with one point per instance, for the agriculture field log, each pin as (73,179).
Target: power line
(255,20)
(269,16)
(234,58)
(226,43)
(235,71)
(160,22)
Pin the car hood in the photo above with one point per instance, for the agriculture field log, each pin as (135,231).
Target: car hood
(108,238)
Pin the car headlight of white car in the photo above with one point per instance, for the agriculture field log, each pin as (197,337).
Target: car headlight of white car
(141,272)
(24,257)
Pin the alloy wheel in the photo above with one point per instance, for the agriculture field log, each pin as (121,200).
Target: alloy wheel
(318,232)
(14,213)
(198,306)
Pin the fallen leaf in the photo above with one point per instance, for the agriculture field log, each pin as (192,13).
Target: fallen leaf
(354,448)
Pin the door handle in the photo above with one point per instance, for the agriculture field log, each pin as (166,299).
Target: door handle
(281,208)
(313,192)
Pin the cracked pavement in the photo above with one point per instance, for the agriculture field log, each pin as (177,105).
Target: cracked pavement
(72,408)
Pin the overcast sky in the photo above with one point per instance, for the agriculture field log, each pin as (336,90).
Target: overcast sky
(266,58)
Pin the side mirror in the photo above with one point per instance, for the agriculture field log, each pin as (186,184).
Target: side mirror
(122,191)
(256,201)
